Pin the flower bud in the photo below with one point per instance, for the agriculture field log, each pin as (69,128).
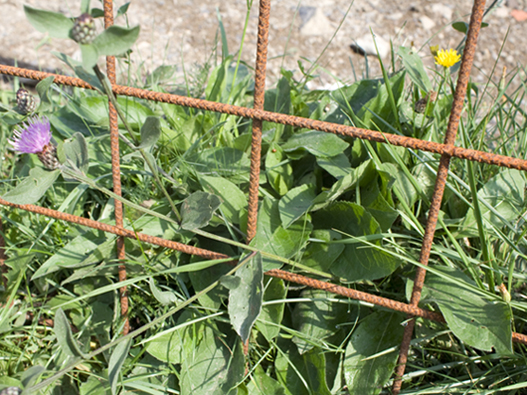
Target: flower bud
(25,101)
(83,30)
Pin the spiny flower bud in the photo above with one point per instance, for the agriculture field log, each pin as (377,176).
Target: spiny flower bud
(25,101)
(83,30)
(11,391)
(420,105)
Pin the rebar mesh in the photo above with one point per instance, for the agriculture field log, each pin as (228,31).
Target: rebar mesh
(447,150)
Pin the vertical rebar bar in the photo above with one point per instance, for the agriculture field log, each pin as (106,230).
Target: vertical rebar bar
(3,267)
(116,172)
(442,173)
(259,95)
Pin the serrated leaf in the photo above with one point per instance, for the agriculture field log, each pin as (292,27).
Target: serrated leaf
(245,300)
(150,132)
(115,40)
(55,24)
(33,187)
(64,335)
(376,333)
(119,354)
(197,210)
(477,321)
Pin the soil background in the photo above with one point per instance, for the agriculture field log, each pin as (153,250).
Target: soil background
(185,33)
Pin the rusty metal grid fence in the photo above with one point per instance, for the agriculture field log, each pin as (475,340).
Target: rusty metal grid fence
(447,150)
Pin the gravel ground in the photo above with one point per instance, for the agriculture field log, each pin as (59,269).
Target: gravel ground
(173,31)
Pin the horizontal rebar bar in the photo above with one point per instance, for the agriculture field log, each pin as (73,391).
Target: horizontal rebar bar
(343,130)
(293,277)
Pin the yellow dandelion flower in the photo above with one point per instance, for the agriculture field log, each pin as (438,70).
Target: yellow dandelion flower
(447,58)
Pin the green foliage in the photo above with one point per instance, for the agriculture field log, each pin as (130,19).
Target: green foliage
(335,208)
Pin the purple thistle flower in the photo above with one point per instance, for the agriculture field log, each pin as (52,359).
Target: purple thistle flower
(32,137)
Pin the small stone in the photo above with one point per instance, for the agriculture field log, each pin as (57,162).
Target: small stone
(443,10)
(366,46)
(427,23)
(317,25)
(502,12)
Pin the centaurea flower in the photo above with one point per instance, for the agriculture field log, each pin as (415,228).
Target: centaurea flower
(34,137)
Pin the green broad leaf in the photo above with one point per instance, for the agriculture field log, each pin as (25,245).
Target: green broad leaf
(55,24)
(364,174)
(197,210)
(477,321)
(279,99)
(317,321)
(296,203)
(505,194)
(31,375)
(273,238)
(150,132)
(376,333)
(88,248)
(119,354)
(218,81)
(245,301)
(262,384)
(402,183)
(278,169)
(230,282)
(167,347)
(211,364)
(462,27)
(316,143)
(373,200)
(64,335)
(358,261)
(338,166)
(94,386)
(268,323)
(163,297)
(33,187)
(43,93)
(76,151)
(414,67)
(234,200)
(322,253)
(90,56)
(161,74)
(352,98)
(123,9)
(115,40)
(379,110)
(301,374)
(225,161)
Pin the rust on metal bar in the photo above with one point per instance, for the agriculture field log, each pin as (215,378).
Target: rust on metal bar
(292,277)
(343,130)
(3,267)
(441,179)
(259,95)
